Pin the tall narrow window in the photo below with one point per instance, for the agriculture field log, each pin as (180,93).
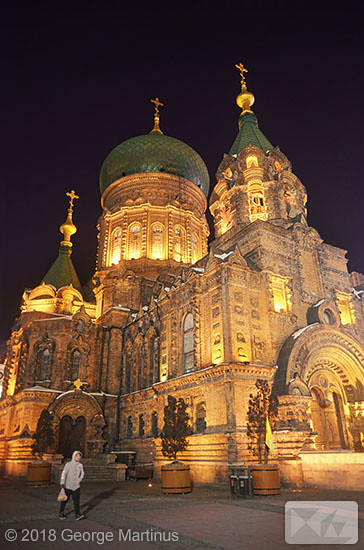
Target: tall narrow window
(128,371)
(154,424)
(200,418)
(116,246)
(257,202)
(178,244)
(194,251)
(157,241)
(154,361)
(279,295)
(129,428)
(188,343)
(44,367)
(76,364)
(135,241)
(345,307)
(141,373)
(141,425)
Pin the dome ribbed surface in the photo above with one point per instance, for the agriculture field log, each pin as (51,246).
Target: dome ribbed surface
(154,152)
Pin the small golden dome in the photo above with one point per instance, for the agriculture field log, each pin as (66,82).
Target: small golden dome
(68,227)
(245,100)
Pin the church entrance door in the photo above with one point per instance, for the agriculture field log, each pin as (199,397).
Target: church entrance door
(327,421)
(72,435)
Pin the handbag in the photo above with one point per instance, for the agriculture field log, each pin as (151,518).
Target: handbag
(62,495)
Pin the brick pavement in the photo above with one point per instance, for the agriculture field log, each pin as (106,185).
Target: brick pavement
(207,519)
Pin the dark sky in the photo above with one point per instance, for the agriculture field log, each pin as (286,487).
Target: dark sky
(76,81)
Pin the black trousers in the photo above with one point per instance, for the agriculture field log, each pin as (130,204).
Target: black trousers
(76,500)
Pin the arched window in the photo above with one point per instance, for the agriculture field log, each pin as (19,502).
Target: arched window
(129,428)
(194,251)
(141,425)
(157,241)
(135,241)
(116,246)
(44,366)
(178,244)
(128,371)
(154,424)
(200,418)
(256,202)
(76,364)
(188,343)
(251,161)
(154,363)
(141,373)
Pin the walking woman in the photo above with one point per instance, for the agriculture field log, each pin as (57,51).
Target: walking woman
(71,478)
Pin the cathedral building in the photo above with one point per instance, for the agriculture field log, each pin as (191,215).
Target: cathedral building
(166,313)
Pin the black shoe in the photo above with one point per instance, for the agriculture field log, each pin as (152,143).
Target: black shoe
(79,516)
(61,516)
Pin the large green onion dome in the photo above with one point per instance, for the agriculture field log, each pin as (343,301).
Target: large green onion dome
(154,152)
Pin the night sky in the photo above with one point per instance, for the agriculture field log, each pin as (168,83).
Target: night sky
(77,81)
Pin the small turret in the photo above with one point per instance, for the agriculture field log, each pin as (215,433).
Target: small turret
(255,180)
(62,273)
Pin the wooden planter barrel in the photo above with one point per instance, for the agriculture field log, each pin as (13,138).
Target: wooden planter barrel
(39,473)
(266,479)
(175,478)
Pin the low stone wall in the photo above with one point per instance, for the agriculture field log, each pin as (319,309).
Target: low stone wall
(291,472)
(333,470)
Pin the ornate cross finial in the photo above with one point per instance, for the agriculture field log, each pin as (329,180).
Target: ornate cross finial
(72,195)
(157,104)
(242,70)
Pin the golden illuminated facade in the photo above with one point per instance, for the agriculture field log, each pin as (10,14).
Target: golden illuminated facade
(170,314)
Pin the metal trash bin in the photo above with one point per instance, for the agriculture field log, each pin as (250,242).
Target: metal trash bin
(241,483)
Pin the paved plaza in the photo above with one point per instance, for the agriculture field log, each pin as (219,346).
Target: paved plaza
(134,516)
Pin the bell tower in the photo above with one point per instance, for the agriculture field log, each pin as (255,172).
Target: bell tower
(254,180)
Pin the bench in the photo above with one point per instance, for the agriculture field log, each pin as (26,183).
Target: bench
(140,471)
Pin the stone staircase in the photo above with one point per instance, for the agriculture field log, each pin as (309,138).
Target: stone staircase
(101,468)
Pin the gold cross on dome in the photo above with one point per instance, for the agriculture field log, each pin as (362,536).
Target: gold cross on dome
(78,384)
(242,70)
(72,195)
(157,104)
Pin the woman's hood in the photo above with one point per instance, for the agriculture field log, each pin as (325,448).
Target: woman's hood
(76,453)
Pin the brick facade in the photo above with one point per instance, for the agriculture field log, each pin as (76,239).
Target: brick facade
(267,299)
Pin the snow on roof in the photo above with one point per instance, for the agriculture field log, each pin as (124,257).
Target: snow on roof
(42,388)
(319,303)
(300,331)
(224,255)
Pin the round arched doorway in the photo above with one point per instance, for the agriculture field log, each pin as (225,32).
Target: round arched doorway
(325,363)
(79,422)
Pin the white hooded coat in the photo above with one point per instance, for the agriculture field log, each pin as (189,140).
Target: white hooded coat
(73,473)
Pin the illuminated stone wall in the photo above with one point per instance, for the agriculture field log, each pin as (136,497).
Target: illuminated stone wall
(166,314)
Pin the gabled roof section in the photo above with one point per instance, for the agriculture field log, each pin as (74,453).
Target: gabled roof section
(249,134)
